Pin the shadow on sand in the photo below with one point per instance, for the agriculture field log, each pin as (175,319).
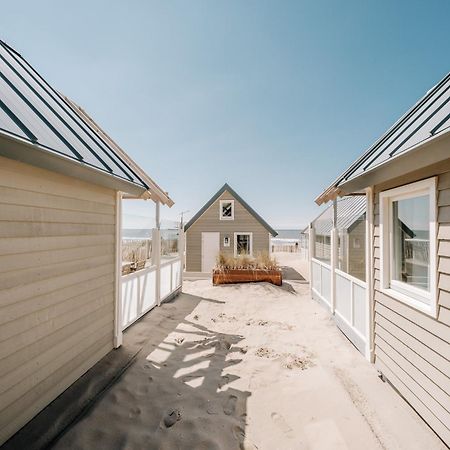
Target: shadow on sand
(177,393)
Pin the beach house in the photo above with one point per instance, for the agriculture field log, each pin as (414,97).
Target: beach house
(226,223)
(405,177)
(61,182)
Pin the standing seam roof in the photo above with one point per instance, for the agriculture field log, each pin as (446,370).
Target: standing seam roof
(429,117)
(32,110)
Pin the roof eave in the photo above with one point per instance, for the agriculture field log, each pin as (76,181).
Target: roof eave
(18,149)
(227,187)
(154,191)
(408,161)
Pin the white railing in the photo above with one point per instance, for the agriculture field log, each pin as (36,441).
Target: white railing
(321,280)
(351,308)
(141,292)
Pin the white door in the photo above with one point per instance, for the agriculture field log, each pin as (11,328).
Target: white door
(210,250)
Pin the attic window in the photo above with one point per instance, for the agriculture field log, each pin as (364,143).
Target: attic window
(226,210)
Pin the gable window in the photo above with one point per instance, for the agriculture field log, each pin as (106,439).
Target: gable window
(408,239)
(226,210)
(243,244)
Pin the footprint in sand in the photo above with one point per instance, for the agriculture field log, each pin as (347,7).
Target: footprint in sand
(134,412)
(280,421)
(230,405)
(172,418)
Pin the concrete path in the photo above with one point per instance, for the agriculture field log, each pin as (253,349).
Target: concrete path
(247,367)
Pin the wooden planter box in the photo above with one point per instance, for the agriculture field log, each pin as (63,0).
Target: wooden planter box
(246,276)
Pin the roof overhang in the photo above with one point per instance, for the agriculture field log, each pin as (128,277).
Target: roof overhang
(154,192)
(434,150)
(13,147)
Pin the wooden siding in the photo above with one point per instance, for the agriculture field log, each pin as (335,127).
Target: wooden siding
(412,349)
(57,261)
(210,221)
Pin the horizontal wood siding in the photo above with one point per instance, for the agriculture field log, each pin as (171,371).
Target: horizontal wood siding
(210,221)
(57,261)
(412,349)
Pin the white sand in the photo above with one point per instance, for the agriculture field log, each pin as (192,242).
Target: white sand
(249,367)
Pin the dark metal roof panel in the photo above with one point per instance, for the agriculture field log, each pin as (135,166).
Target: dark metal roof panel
(429,117)
(31,109)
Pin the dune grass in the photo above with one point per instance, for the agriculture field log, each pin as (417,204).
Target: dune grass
(262,261)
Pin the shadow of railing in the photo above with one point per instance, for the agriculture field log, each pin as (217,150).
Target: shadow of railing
(179,393)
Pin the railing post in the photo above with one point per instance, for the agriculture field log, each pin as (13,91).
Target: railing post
(312,240)
(156,245)
(334,257)
(370,325)
(118,336)
(181,252)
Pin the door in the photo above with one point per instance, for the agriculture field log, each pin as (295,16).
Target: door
(210,250)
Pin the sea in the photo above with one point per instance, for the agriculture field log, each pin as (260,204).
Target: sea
(139,233)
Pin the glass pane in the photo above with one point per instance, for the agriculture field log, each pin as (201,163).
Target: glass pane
(169,243)
(243,244)
(227,209)
(352,247)
(322,227)
(411,241)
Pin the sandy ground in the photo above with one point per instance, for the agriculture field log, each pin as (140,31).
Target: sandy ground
(247,367)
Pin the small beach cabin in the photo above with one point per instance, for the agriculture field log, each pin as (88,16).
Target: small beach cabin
(226,223)
(405,177)
(61,183)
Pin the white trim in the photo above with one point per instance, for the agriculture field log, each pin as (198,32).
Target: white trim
(235,241)
(220,209)
(370,326)
(318,261)
(394,288)
(351,278)
(118,336)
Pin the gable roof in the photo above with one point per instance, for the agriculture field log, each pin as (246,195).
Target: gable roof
(426,120)
(39,127)
(215,197)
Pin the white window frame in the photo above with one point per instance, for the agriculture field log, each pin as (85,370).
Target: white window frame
(425,301)
(232,210)
(251,242)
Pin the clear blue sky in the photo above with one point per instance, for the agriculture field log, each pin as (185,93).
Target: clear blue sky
(276,98)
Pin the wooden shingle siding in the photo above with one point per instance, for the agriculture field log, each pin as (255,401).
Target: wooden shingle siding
(210,221)
(57,262)
(412,349)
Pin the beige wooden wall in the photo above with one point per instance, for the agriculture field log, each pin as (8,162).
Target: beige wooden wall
(411,348)
(210,221)
(57,262)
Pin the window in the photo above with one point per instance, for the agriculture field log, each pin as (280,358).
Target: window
(243,244)
(226,210)
(408,237)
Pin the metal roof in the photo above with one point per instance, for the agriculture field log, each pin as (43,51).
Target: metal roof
(428,118)
(155,192)
(349,210)
(33,113)
(228,188)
